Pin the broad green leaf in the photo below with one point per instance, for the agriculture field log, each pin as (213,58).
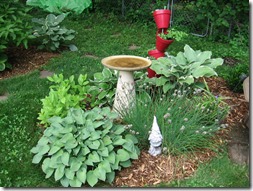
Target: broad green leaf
(37,158)
(107,73)
(69,173)
(35,150)
(95,135)
(98,76)
(107,140)
(100,173)
(105,165)
(91,178)
(168,86)
(94,157)
(132,138)
(49,172)
(85,150)
(123,155)
(213,63)
(45,165)
(43,141)
(111,158)
(85,134)
(53,150)
(65,158)
(75,182)
(59,172)
(188,79)
(203,71)
(64,182)
(103,152)
(203,56)
(110,177)
(180,59)
(190,54)
(119,140)
(119,129)
(75,164)
(161,81)
(93,144)
(81,174)
(125,164)
(102,95)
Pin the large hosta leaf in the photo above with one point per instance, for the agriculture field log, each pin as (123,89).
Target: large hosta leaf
(203,71)
(91,178)
(190,54)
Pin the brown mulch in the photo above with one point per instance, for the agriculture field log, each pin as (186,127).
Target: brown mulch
(147,170)
(25,60)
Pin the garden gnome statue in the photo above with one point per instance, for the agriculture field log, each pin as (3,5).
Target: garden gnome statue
(155,139)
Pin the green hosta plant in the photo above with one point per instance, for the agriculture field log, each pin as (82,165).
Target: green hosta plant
(184,69)
(52,34)
(64,94)
(104,86)
(85,147)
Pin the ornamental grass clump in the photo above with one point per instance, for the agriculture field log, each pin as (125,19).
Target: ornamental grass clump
(187,121)
(85,147)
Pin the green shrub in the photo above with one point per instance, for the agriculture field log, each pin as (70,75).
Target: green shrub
(52,34)
(14,28)
(85,147)
(234,75)
(64,94)
(184,69)
(187,121)
(102,90)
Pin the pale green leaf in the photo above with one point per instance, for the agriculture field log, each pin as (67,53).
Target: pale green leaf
(75,182)
(37,158)
(203,71)
(91,178)
(110,177)
(53,150)
(190,54)
(65,158)
(81,174)
(64,182)
(59,172)
(123,155)
(69,173)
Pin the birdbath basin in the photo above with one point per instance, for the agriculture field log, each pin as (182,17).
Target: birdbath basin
(125,91)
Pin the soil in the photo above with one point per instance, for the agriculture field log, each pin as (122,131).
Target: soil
(149,170)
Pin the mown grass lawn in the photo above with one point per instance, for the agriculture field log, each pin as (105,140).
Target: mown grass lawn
(98,36)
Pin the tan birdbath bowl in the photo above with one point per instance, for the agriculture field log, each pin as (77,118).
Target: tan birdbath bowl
(125,91)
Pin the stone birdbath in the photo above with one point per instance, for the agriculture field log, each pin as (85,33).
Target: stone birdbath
(125,91)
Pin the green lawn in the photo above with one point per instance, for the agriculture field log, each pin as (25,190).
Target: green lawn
(100,36)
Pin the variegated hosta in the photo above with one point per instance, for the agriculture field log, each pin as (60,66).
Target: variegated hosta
(85,147)
(184,68)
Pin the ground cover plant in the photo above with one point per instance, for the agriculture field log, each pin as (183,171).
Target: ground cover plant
(19,131)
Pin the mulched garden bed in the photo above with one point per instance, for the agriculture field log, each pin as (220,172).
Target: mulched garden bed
(147,170)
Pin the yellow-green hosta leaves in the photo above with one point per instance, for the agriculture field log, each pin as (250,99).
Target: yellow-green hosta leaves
(85,147)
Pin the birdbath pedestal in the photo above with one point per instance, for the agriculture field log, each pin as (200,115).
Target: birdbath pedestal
(125,91)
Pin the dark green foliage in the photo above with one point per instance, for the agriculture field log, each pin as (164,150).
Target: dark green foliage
(234,75)
(14,27)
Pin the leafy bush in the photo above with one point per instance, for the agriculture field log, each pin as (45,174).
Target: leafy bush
(64,94)
(187,121)
(52,34)
(184,69)
(59,6)
(234,75)
(102,92)
(14,28)
(173,34)
(85,147)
